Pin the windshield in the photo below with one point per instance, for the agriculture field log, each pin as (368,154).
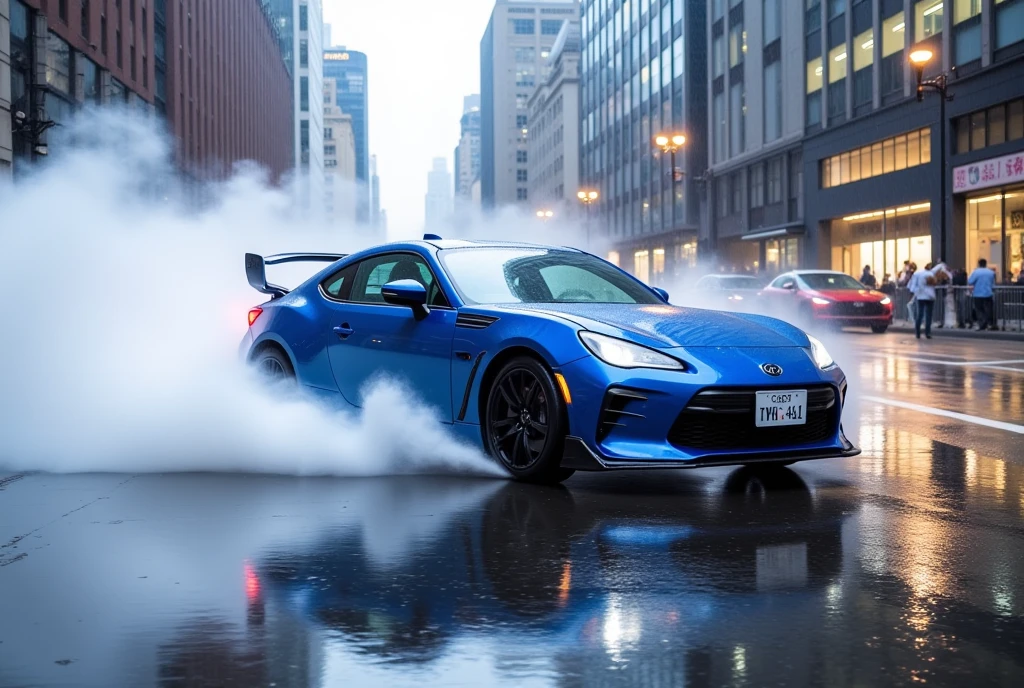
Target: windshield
(740,283)
(517,275)
(830,280)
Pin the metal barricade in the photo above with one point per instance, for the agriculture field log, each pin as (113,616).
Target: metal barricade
(956,307)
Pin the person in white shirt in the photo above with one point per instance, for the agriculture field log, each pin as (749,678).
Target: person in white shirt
(922,286)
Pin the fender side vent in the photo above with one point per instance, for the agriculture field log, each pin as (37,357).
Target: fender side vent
(472,321)
(619,407)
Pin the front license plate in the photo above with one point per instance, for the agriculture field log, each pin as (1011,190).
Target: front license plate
(785,407)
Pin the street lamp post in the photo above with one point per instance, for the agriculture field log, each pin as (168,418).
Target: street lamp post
(670,143)
(919,59)
(587,198)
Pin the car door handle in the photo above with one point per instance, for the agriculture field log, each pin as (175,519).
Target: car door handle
(344,331)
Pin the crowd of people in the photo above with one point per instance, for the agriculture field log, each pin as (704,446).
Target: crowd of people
(977,309)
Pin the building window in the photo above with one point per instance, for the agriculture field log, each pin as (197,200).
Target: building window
(718,55)
(303,18)
(330,150)
(550,27)
(521,121)
(131,61)
(837,61)
(523,27)
(103,34)
(882,157)
(1009,22)
(774,187)
(814,81)
(757,186)
(737,119)
(117,48)
(84,19)
(893,38)
(999,124)
(718,132)
(304,94)
(736,185)
(863,56)
(521,176)
(58,64)
(772,102)
(737,44)
(521,156)
(723,196)
(521,194)
(145,72)
(62,10)
(304,53)
(304,142)
(966,31)
(927,19)
(771,21)
(796,185)
(328,133)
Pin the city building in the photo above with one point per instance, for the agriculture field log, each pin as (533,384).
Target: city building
(339,162)
(375,221)
(755,108)
(300,23)
(513,60)
(553,149)
(467,153)
(886,178)
(439,195)
(644,73)
(59,60)
(6,135)
(348,68)
(221,81)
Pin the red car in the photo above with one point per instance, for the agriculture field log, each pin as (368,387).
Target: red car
(827,297)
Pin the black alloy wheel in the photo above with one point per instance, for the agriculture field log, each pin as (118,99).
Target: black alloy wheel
(879,329)
(273,366)
(525,427)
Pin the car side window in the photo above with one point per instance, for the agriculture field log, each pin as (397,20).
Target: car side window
(373,273)
(781,280)
(338,285)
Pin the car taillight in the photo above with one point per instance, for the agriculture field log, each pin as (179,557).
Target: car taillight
(253,314)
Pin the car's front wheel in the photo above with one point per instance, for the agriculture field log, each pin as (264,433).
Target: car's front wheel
(879,329)
(524,425)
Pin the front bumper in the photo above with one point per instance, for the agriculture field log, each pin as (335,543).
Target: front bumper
(652,401)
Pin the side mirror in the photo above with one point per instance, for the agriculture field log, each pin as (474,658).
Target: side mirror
(790,286)
(407,292)
(661,293)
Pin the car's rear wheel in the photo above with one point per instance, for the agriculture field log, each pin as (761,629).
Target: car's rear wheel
(525,426)
(879,329)
(273,365)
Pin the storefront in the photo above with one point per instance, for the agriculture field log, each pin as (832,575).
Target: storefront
(994,227)
(882,239)
(657,260)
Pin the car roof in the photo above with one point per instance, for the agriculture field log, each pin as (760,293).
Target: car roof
(728,275)
(488,243)
(817,272)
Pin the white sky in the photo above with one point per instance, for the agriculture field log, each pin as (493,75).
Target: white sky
(424,56)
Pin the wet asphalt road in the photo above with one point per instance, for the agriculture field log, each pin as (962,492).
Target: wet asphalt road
(903,566)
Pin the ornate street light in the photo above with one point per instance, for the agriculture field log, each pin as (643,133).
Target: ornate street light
(919,59)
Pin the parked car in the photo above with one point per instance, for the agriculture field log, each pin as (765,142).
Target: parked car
(828,297)
(727,291)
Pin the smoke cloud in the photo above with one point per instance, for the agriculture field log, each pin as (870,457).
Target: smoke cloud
(123,307)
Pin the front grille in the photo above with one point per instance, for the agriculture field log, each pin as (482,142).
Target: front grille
(723,419)
(850,308)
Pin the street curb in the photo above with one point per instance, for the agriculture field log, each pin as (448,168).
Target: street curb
(997,335)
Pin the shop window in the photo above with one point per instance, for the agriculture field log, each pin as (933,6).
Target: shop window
(891,155)
(774,187)
(757,186)
(1015,120)
(996,122)
(978,130)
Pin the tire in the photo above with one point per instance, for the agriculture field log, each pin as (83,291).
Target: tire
(525,422)
(879,329)
(273,366)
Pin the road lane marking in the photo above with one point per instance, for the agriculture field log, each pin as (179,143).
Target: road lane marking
(961,364)
(977,420)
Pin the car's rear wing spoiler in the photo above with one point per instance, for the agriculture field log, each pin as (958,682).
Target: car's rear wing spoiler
(256,268)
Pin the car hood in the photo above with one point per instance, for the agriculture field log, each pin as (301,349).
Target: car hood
(847,295)
(666,326)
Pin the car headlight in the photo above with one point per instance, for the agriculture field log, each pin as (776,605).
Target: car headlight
(820,302)
(886,301)
(820,354)
(623,354)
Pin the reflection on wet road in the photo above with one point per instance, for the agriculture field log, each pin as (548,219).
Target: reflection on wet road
(902,566)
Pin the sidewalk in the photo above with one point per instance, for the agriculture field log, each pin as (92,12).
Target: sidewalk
(901,327)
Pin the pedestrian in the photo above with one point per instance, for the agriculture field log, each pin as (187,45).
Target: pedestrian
(904,277)
(1020,278)
(982,280)
(922,286)
(867,279)
(888,286)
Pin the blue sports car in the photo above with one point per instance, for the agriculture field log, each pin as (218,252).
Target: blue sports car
(551,359)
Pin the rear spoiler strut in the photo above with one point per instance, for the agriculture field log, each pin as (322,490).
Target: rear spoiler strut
(256,268)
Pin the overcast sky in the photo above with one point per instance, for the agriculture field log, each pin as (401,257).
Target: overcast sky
(424,56)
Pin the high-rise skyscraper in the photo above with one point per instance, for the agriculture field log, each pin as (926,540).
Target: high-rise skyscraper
(348,68)
(439,195)
(467,153)
(300,24)
(339,162)
(375,221)
(644,74)
(513,59)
